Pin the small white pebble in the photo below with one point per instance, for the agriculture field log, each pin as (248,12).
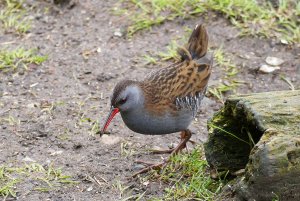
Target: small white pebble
(268,69)
(89,189)
(274,61)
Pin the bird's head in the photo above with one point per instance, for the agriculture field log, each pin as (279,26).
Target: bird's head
(127,96)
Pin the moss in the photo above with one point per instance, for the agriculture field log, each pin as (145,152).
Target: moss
(231,144)
(271,120)
(240,124)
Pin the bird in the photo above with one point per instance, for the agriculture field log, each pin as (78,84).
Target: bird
(166,100)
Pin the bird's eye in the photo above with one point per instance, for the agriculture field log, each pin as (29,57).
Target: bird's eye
(122,101)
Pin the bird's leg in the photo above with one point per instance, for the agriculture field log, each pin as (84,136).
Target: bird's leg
(185,137)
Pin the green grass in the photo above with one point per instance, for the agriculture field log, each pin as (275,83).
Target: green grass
(45,178)
(148,13)
(251,141)
(11,60)
(249,16)
(228,76)
(13,17)
(7,183)
(188,178)
(83,116)
(286,80)
(261,19)
(170,53)
(49,107)
(150,59)
(126,192)
(10,120)
(93,124)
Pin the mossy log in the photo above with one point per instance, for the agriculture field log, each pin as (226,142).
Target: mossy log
(261,133)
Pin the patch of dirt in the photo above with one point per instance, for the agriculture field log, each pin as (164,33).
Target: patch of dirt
(53,103)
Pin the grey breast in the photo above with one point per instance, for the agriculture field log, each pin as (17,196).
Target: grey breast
(141,121)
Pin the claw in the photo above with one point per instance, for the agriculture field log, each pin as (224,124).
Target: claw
(185,137)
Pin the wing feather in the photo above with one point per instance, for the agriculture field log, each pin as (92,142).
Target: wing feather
(182,84)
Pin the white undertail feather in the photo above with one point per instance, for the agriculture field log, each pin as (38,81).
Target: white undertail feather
(191,102)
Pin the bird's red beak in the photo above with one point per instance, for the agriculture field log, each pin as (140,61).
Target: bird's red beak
(112,113)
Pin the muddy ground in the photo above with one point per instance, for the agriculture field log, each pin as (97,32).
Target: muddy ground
(52,103)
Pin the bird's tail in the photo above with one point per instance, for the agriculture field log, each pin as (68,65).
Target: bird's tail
(197,44)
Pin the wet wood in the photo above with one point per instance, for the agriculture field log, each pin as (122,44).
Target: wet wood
(261,133)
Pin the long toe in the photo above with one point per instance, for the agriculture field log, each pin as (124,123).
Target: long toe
(185,137)
(158,151)
(157,166)
(146,163)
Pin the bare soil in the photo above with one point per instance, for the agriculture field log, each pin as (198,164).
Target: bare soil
(56,103)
